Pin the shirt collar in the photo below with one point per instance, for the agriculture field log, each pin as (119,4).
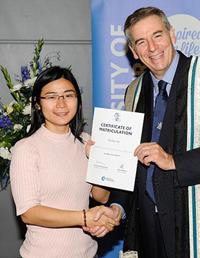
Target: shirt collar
(169,75)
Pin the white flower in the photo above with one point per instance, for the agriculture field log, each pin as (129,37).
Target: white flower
(28,128)
(17,87)
(5,153)
(9,107)
(27,110)
(17,127)
(29,82)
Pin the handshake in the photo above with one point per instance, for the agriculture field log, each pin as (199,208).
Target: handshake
(100,220)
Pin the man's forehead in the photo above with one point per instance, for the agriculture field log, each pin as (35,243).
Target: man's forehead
(146,26)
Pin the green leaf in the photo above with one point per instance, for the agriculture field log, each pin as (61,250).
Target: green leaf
(9,82)
(36,57)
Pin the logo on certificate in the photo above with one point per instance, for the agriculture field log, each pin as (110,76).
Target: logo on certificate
(117,116)
(122,169)
(103,178)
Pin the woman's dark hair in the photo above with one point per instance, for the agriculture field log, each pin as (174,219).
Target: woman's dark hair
(51,74)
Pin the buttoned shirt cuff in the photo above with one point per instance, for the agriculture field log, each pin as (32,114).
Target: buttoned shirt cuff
(122,209)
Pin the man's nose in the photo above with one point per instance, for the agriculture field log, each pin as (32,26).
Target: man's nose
(151,45)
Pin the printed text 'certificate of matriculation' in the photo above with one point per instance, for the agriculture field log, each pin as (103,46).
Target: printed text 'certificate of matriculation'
(116,134)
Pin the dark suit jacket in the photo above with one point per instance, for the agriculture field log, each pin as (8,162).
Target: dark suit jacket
(170,186)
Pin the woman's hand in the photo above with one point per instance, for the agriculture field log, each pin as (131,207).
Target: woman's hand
(88,145)
(106,218)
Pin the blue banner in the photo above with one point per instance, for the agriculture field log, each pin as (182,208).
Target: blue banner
(113,66)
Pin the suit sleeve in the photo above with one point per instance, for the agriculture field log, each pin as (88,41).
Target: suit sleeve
(122,198)
(188,167)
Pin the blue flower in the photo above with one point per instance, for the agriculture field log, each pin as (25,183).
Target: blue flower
(5,122)
(39,66)
(25,74)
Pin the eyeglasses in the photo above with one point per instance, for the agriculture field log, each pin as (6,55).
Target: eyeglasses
(67,97)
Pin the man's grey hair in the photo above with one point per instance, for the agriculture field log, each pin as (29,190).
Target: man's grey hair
(140,14)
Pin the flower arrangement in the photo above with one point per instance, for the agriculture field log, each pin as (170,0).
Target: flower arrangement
(15,117)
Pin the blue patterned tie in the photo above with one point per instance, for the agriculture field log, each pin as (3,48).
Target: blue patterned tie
(159,112)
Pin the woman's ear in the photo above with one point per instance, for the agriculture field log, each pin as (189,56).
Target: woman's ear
(37,106)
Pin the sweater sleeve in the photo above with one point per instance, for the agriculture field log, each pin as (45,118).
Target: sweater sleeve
(24,176)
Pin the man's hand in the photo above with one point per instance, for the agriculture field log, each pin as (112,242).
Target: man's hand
(117,213)
(101,220)
(153,152)
(114,212)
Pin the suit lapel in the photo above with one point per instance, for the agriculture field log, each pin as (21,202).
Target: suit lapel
(145,105)
(175,106)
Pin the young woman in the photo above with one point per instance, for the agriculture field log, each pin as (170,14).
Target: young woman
(48,171)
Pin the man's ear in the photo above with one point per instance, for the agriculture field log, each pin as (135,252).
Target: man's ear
(173,35)
(133,52)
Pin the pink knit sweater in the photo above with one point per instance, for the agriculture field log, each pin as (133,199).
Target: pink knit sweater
(50,169)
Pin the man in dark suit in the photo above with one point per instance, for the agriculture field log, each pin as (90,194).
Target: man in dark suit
(164,217)
(163,222)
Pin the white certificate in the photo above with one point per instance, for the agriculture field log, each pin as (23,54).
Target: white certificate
(116,134)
